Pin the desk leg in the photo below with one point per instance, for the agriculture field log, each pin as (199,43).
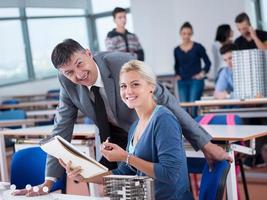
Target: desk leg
(93,187)
(3,162)
(231,179)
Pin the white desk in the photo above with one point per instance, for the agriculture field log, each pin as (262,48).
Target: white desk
(38,113)
(27,105)
(230,134)
(251,109)
(52,196)
(88,131)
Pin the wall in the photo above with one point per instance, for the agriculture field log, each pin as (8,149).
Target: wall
(35,87)
(157,25)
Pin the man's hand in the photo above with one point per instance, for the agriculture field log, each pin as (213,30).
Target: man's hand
(72,173)
(252,33)
(30,193)
(215,153)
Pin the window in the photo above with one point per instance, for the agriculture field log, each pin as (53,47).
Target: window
(13,66)
(33,12)
(45,34)
(29,35)
(105,6)
(263,9)
(9,12)
(106,24)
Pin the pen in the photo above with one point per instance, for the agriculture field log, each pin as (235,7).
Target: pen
(107,147)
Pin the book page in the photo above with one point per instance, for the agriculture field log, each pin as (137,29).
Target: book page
(60,148)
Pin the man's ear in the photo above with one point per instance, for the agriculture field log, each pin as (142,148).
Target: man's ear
(88,53)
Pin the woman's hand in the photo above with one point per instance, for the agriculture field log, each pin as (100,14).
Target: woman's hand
(201,75)
(72,173)
(113,152)
(178,77)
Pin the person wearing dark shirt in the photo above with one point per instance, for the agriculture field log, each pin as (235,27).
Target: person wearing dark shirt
(249,38)
(120,39)
(189,72)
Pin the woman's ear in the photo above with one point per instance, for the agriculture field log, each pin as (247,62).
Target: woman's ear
(152,90)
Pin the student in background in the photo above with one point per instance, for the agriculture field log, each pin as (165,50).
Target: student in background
(224,35)
(189,72)
(155,145)
(224,84)
(249,38)
(120,39)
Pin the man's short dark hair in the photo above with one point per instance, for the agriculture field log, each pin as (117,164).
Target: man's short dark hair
(228,48)
(117,10)
(63,51)
(242,17)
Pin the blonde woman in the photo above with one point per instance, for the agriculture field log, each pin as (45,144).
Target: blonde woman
(155,145)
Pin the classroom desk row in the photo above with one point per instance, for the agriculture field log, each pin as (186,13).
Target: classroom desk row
(204,105)
(30,105)
(227,134)
(22,122)
(248,108)
(226,102)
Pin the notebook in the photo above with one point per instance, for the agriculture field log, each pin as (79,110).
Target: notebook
(60,148)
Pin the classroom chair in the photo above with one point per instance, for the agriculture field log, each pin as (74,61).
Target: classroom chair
(197,164)
(213,182)
(53,94)
(10,101)
(9,115)
(28,167)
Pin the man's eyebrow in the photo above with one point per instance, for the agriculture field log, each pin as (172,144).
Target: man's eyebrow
(76,61)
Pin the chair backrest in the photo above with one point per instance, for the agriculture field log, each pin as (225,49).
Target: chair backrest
(13,114)
(213,182)
(53,94)
(228,119)
(10,101)
(28,167)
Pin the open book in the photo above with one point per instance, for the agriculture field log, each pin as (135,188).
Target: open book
(60,148)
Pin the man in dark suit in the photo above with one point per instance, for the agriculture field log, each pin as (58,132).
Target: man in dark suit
(79,74)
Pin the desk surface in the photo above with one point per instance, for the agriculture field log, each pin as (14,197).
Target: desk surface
(225,102)
(236,132)
(218,132)
(30,104)
(53,196)
(35,113)
(21,122)
(79,130)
